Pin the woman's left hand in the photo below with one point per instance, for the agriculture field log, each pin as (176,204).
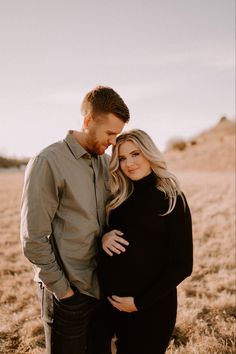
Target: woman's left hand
(125,304)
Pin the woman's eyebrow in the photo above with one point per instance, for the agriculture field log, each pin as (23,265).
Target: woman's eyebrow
(131,152)
(136,150)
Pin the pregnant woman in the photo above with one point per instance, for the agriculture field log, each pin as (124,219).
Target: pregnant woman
(148,246)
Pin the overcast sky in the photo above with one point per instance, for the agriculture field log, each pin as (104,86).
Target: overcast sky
(172,61)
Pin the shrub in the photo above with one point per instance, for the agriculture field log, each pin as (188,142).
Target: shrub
(177,144)
(6,162)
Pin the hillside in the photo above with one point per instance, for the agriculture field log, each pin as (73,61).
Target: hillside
(206,314)
(212,150)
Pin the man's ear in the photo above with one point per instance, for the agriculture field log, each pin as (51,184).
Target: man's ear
(87,121)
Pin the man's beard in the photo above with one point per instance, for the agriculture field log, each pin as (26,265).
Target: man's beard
(93,146)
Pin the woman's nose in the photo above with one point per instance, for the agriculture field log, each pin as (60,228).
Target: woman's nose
(129,161)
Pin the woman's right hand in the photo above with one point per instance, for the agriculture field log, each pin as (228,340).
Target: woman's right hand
(112,242)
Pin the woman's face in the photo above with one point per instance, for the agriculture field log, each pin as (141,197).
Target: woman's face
(132,162)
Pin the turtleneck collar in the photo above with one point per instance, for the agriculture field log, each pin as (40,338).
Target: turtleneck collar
(145,181)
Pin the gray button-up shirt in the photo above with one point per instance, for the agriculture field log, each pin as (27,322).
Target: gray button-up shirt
(65,193)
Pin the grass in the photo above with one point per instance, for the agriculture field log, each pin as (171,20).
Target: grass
(206,312)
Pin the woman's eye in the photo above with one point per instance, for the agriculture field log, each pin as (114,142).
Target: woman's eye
(121,158)
(136,154)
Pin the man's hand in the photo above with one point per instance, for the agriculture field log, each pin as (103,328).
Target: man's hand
(125,304)
(69,293)
(112,242)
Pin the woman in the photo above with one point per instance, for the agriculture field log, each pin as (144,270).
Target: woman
(149,250)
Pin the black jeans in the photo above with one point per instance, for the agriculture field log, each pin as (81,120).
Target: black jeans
(76,325)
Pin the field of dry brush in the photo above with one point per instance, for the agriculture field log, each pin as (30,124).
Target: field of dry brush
(206,313)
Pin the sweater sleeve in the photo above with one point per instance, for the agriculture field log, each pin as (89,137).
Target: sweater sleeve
(180,255)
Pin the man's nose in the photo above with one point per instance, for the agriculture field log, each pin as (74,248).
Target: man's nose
(112,140)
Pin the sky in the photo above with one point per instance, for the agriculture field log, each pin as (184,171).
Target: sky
(172,61)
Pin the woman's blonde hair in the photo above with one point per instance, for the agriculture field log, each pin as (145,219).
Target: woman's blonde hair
(122,187)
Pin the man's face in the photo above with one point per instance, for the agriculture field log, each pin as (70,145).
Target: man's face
(101,133)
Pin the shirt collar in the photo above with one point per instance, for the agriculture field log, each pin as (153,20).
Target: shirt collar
(75,147)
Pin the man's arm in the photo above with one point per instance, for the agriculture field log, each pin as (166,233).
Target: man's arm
(40,201)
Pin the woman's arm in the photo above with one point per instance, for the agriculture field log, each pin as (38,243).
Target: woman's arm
(180,255)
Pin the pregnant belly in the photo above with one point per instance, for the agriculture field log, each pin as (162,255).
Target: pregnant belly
(123,275)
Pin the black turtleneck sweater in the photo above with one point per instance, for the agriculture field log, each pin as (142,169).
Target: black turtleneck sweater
(159,255)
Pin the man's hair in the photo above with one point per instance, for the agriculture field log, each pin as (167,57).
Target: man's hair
(104,100)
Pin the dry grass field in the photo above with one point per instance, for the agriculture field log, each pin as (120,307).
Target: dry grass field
(206,313)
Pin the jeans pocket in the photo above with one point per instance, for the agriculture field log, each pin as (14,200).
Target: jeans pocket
(71,300)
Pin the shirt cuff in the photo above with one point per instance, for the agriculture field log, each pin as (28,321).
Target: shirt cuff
(60,288)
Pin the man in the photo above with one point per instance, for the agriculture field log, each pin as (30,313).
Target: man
(62,218)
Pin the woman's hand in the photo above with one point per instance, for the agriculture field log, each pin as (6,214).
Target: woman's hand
(125,304)
(112,242)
